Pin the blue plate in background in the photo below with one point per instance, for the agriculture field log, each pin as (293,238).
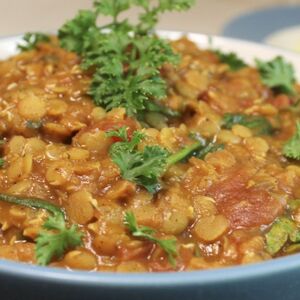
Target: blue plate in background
(260,24)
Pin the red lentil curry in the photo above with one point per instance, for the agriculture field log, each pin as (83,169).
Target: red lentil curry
(131,154)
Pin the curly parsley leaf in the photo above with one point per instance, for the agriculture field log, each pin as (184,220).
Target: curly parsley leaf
(231,59)
(176,5)
(32,39)
(291,149)
(277,74)
(78,34)
(118,133)
(257,123)
(112,7)
(125,58)
(133,87)
(56,239)
(149,17)
(146,167)
(142,167)
(144,232)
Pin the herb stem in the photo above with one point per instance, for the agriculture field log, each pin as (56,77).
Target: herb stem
(33,203)
(178,156)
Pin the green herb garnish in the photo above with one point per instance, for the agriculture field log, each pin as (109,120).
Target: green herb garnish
(281,231)
(257,123)
(277,74)
(142,167)
(2,162)
(146,167)
(57,237)
(209,148)
(34,124)
(199,150)
(291,149)
(293,204)
(144,232)
(184,153)
(231,59)
(32,39)
(126,58)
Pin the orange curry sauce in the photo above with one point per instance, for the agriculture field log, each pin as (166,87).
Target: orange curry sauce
(217,207)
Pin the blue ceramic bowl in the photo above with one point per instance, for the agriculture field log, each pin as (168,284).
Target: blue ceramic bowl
(272,280)
(276,279)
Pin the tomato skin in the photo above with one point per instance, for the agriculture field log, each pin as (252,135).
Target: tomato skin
(281,101)
(244,206)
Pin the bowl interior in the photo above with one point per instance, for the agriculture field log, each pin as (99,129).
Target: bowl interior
(248,51)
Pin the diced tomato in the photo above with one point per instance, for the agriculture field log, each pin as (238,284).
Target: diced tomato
(281,101)
(243,206)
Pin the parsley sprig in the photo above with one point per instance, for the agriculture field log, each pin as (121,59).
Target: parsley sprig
(277,74)
(146,167)
(144,232)
(259,124)
(32,39)
(56,237)
(231,59)
(291,148)
(126,58)
(142,167)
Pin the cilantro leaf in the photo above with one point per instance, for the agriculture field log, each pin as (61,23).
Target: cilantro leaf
(2,162)
(277,74)
(56,239)
(231,59)
(32,39)
(169,246)
(291,149)
(257,123)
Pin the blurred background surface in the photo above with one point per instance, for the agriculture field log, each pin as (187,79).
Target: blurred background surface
(208,16)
